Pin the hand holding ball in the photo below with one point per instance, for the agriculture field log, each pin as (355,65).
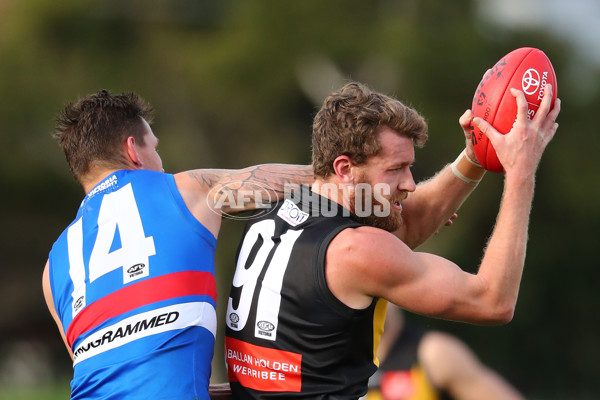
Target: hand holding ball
(526,69)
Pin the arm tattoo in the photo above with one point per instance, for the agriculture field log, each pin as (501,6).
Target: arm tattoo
(249,184)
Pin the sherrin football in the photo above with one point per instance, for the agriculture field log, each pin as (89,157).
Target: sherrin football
(527,69)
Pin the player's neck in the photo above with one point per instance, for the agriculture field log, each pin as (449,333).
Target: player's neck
(333,190)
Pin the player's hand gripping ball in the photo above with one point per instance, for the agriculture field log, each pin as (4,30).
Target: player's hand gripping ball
(527,69)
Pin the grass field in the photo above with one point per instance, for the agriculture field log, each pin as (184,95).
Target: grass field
(48,392)
(62,392)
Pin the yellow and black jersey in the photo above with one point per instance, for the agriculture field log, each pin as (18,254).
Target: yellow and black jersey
(400,377)
(287,335)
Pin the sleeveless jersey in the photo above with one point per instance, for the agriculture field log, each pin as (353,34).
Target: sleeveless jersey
(287,335)
(133,284)
(400,377)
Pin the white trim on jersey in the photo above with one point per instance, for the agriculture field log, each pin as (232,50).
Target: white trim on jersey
(145,324)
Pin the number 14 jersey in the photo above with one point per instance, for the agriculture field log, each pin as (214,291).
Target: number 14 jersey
(133,283)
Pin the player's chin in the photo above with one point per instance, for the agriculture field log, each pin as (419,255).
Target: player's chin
(390,223)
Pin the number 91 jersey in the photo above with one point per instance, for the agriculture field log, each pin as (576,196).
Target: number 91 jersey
(287,335)
(133,283)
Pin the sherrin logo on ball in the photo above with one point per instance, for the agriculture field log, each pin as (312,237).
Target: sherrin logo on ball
(527,69)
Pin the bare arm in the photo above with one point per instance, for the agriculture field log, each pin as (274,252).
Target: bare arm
(210,193)
(519,152)
(435,200)
(453,367)
(367,262)
(50,303)
(254,182)
(488,297)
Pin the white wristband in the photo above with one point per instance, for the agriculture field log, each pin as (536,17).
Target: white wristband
(474,162)
(467,170)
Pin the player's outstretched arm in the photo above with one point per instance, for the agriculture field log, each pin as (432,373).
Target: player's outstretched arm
(272,177)
(209,193)
(520,152)
(366,262)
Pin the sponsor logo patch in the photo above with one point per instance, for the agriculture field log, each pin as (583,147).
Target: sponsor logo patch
(106,184)
(261,368)
(178,316)
(290,213)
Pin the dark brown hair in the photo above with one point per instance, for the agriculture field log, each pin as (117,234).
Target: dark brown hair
(348,123)
(93,130)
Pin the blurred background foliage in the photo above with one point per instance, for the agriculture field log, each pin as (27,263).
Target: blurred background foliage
(236,83)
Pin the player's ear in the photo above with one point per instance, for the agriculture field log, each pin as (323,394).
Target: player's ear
(342,166)
(131,152)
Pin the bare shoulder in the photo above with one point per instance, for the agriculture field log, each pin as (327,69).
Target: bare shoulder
(362,232)
(356,263)
(364,245)
(195,188)
(208,184)
(198,180)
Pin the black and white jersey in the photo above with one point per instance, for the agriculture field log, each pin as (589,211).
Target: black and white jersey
(287,335)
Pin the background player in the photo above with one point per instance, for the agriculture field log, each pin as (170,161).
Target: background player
(417,364)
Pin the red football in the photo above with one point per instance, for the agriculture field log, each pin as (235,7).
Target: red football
(527,69)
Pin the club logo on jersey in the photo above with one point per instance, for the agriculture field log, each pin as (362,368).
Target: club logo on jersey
(290,213)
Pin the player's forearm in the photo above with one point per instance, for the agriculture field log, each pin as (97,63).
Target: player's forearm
(233,191)
(503,261)
(277,177)
(484,384)
(434,202)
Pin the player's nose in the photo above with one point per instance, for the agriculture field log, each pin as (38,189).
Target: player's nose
(407,183)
